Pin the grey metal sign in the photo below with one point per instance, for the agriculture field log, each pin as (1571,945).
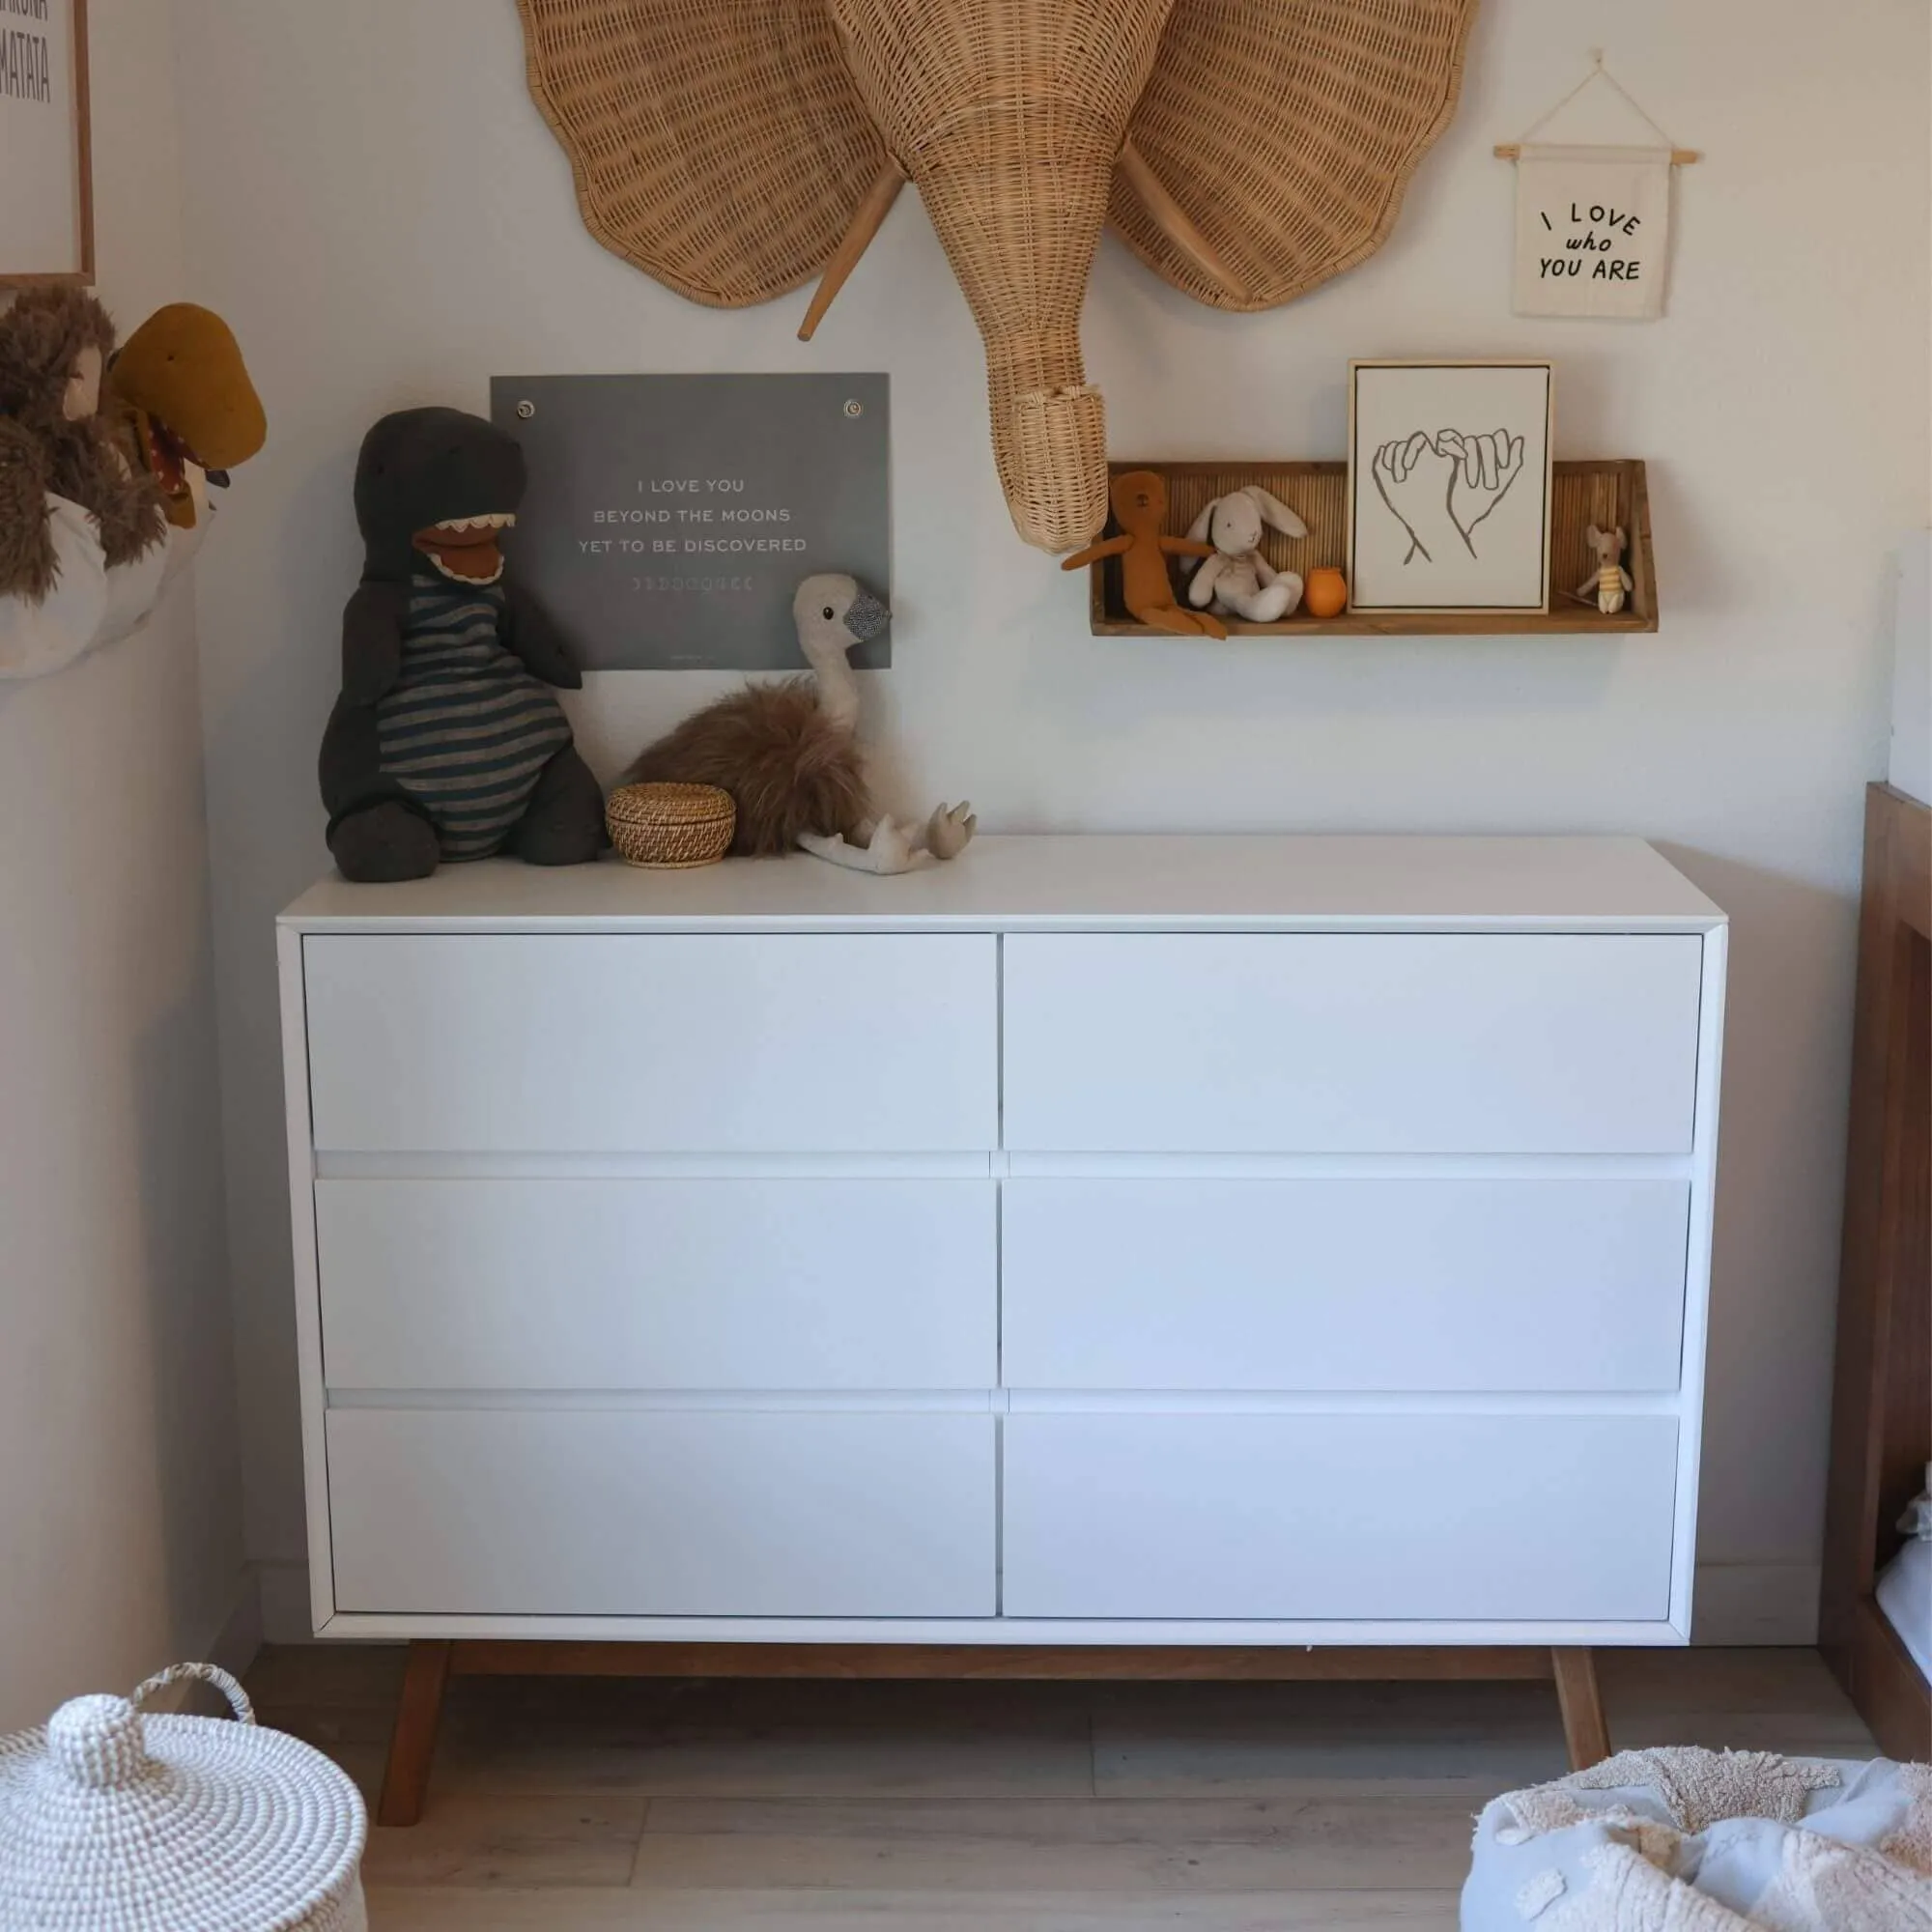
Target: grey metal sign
(669,517)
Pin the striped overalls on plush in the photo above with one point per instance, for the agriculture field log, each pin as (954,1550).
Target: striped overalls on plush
(466,730)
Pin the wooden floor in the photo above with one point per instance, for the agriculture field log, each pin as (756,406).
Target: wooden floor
(599,1807)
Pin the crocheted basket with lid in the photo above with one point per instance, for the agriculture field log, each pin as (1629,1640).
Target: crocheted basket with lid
(112,1819)
(670,828)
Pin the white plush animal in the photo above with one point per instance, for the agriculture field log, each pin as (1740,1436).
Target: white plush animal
(788,751)
(1238,579)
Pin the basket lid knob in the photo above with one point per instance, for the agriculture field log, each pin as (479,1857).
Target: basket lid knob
(98,1742)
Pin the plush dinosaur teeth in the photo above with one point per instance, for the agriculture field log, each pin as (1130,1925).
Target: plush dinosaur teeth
(495,520)
(458,577)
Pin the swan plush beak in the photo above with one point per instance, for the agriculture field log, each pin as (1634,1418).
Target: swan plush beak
(866,617)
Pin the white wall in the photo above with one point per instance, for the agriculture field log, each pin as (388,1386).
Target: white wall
(376,205)
(120,1514)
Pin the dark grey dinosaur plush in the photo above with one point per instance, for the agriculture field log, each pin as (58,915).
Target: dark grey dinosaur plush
(447,741)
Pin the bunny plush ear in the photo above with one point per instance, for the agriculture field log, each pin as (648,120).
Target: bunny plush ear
(1277,513)
(1197,530)
(1592,535)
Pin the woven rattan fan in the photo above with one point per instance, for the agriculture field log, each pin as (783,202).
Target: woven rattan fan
(1246,149)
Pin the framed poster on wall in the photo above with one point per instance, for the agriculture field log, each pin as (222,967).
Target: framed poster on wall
(45,151)
(1449,486)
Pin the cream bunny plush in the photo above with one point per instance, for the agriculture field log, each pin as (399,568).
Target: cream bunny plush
(1238,579)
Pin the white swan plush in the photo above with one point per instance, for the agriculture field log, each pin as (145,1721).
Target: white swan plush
(1238,579)
(788,751)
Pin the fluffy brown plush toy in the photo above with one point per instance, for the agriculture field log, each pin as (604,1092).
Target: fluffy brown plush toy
(54,345)
(788,752)
(27,567)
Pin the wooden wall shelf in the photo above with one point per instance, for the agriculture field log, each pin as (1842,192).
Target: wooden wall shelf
(1604,491)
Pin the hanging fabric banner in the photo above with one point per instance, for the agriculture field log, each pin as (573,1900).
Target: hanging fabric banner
(1592,231)
(1592,214)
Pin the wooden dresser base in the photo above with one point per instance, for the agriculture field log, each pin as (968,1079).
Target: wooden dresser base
(434,1662)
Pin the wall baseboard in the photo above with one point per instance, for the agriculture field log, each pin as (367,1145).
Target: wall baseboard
(1743,1603)
(1748,1604)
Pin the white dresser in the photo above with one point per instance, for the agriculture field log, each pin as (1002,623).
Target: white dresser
(1098,1241)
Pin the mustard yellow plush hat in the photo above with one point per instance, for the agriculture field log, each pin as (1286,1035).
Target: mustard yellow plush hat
(183,366)
(182,384)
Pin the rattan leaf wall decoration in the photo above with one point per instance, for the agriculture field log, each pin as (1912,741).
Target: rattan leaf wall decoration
(1246,149)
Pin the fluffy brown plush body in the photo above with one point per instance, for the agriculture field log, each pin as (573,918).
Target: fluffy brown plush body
(787,767)
(27,567)
(42,340)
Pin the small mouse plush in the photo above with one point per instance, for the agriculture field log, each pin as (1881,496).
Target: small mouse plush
(1140,507)
(1609,586)
(1238,579)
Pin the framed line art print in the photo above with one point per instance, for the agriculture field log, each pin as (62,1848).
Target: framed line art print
(1449,487)
(45,144)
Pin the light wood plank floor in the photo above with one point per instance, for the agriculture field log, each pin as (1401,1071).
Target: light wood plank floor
(598,1807)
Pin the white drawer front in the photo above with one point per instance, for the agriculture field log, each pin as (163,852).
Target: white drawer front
(1405,1284)
(1508,1518)
(701,1043)
(729,1283)
(1350,1043)
(607,1513)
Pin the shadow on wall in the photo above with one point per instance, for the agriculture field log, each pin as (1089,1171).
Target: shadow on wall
(193,1359)
(268,678)
(1785,1099)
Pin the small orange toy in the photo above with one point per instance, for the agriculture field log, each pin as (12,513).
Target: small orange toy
(1140,507)
(1325,593)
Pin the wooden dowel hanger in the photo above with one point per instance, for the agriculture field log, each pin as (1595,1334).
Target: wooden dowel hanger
(1679,158)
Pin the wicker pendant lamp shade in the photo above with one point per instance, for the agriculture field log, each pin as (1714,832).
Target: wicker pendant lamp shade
(1246,149)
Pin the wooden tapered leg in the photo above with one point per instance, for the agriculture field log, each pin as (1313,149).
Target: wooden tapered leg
(1584,1730)
(412,1743)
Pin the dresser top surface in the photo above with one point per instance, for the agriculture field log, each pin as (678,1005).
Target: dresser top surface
(1224,882)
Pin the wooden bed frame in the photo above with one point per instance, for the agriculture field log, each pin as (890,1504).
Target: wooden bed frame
(1882,1403)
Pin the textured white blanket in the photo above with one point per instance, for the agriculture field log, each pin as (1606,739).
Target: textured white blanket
(1688,1840)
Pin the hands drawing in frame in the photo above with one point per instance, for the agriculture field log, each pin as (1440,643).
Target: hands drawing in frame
(1440,488)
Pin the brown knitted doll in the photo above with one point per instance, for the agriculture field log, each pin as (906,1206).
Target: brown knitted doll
(54,344)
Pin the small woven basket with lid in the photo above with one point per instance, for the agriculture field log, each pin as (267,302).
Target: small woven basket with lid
(112,1819)
(670,827)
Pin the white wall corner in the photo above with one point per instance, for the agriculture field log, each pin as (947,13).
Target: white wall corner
(236,1643)
(234,1646)
(1757,1604)
(282,1594)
